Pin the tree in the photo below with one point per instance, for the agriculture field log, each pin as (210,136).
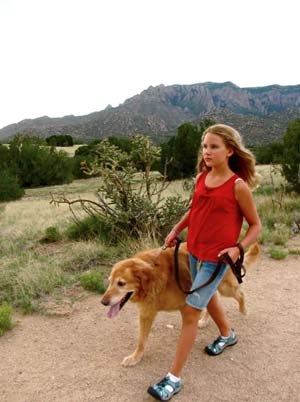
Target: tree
(38,166)
(182,150)
(4,157)
(267,154)
(291,155)
(60,141)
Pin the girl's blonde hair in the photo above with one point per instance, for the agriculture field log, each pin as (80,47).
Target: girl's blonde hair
(241,162)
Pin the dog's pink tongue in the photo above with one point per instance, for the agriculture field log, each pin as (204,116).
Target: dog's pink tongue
(113,311)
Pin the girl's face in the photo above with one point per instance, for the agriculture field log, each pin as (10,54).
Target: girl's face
(214,151)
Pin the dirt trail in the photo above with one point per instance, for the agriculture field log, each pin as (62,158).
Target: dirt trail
(77,358)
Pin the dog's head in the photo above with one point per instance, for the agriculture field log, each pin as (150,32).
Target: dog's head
(128,278)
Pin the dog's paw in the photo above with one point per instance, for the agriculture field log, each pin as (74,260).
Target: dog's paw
(131,360)
(243,310)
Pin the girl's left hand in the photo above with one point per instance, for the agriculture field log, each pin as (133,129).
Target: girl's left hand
(233,252)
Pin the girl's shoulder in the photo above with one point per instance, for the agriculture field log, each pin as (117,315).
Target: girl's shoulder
(199,175)
(238,182)
(241,187)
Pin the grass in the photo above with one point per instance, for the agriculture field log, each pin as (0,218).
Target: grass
(5,318)
(38,260)
(29,269)
(278,254)
(70,150)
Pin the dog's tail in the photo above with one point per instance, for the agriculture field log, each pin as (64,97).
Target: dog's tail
(252,255)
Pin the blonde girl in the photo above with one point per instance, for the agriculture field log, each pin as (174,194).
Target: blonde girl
(221,200)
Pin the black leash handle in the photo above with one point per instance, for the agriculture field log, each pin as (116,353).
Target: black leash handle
(237,268)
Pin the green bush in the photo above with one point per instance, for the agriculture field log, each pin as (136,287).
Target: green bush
(38,166)
(278,254)
(5,317)
(281,235)
(52,235)
(88,228)
(92,281)
(78,162)
(10,188)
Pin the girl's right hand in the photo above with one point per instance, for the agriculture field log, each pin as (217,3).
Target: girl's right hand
(171,239)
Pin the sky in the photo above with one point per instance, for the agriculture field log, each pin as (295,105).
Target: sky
(63,57)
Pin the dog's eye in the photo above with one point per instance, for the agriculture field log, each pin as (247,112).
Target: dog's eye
(121,283)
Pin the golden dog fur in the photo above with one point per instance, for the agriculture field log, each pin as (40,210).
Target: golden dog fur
(150,276)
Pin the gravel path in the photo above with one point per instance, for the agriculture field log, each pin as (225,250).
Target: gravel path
(76,357)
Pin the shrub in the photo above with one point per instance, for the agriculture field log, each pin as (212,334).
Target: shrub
(278,254)
(89,228)
(92,281)
(52,235)
(281,234)
(80,162)
(10,188)
(5,317)
(38,166)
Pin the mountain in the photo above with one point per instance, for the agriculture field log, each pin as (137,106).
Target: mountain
(260,113)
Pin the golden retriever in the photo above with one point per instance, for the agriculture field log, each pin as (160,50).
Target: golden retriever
(148,279)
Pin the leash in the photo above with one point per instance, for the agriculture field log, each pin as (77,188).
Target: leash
(237,268)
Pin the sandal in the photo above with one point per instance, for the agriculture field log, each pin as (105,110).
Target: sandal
(165,389)
(217,347)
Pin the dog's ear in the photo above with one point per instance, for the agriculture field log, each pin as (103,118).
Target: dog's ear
(143,272)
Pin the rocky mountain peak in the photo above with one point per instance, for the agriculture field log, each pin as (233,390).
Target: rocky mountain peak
(157,111)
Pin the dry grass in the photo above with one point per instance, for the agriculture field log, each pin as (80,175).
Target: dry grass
(270,175)
(30,270)
(69,150)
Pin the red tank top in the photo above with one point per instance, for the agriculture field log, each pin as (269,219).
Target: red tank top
(215,219)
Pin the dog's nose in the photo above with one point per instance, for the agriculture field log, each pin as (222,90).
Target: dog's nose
(105,302)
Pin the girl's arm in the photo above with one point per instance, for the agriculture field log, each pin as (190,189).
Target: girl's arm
(170,240)
(246,203)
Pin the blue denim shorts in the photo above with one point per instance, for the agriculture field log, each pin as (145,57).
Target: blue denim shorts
(201,271)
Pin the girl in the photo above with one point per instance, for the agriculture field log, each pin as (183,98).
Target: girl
(221,200)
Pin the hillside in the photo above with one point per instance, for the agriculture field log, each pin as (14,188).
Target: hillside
(260,113)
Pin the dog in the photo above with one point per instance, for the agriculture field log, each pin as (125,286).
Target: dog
(148,279)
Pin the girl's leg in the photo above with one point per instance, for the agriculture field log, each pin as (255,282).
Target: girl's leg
(217,312)
(190,318)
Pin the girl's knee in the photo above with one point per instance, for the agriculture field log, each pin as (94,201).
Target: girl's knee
(190,315)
